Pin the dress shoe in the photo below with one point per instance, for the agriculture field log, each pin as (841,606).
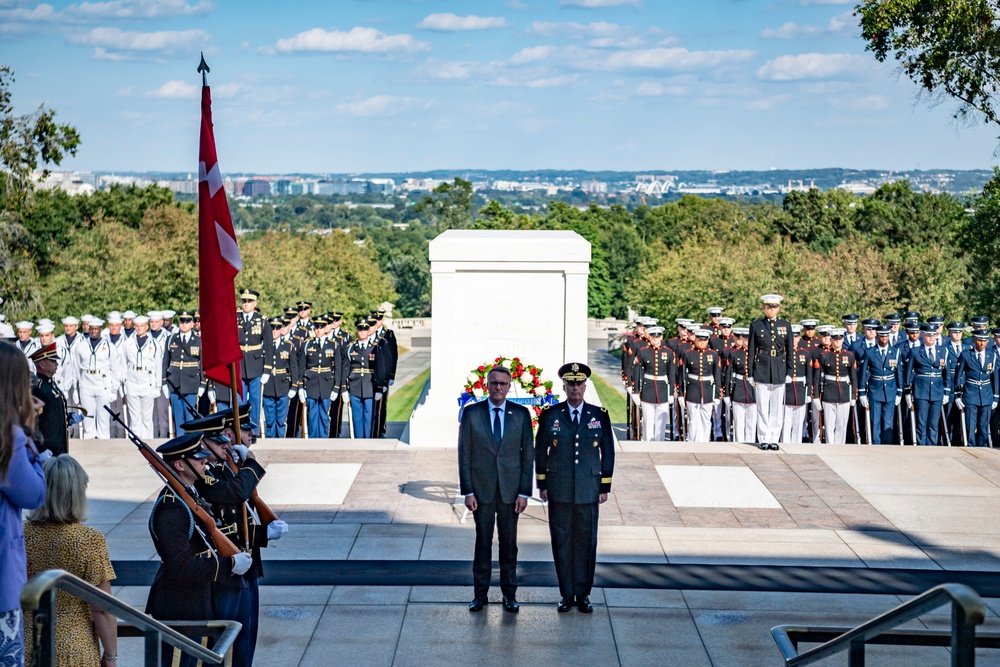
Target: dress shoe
(565,604)
(774,446)
(763,446)
(511,605)
(583,604)
(477,604)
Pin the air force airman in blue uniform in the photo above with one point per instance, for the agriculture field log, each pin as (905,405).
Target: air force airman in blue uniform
(881,384)
(977,388)
(929,383)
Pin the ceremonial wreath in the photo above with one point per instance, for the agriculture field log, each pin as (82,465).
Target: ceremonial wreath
(527,386)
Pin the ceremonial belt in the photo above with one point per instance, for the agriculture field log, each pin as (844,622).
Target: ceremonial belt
(279,371)
(702,378)
(96,373)
(251,348)
(794,379)
(884,378)
(320,369)
(739,376)
(834,378)
(978,383)
(184,364)
(928,375)
(661,378)
(362,371)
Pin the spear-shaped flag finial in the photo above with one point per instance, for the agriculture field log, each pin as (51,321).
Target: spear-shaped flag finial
(203,69)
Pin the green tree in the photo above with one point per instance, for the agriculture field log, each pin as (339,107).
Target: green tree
(450,205)
(950,49)
(979,236)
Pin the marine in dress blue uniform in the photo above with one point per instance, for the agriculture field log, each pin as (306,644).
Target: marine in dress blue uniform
(977,388)
(574,463)
(929,385)
(880,380)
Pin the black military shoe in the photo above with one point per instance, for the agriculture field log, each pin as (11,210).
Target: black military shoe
(774,447)
(477,604)
(763,446)
(583,604)
(511,605)
(565,604)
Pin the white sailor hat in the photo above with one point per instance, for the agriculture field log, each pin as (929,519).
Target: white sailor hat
(69,320)
(155,315)
(24,324)
(129,315)
(114,318)
(45,320)
(169,314)
(96,322)
(140,319)
(772,298)
(86,318)
(46,328)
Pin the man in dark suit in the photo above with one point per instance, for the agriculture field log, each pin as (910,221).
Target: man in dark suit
(495,455)
(574,460)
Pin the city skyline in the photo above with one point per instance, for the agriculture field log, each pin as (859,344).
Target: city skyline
(414,85)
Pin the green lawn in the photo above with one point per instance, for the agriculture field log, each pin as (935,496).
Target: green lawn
(612,399)
(405,397)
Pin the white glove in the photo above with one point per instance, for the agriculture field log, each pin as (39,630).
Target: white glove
(44,455)
(634,397)
(333,395)
(670,401)
(201,392)
(166,391)
(715,403)
(993,406)
(211,396)
(302,395)
(818,402)
(239,452)
(391,382)
(959,403)
(909,401)
(345,396)
(276,529)
(853,402)
(291,393)
(944,400)
(680,402)
(630,390)
(241,563)
(378,396)
(788,379)
(265,378)
(864,402)
(898,399)
(728,401)
(753,383)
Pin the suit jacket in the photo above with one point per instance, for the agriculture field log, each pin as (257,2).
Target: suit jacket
(483,467)
(574,464)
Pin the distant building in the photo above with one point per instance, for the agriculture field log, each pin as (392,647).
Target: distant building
(354,186)
(594,187)
(256,188)
(385,186)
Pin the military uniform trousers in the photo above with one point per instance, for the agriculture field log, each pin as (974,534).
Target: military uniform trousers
(882,414)
(744,422)
(770,411)
(573,529)
(977,424)
(700,421)
(361,413)
(794,423)
(139,405)
(251,392)
(275,415)
(179,410)
(318,416)
(655,419)
(836,417)
(928,421)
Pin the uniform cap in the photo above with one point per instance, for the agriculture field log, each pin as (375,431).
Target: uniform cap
(683,320)
(45,320)
(772,298)
(883,330)
(956,326)
(643,320)
(187,446)
(928,329)
(894,318)
(302,305)
(996,332)
(837,332)
(24,324)
(362,324)
(574,372)
(935,319)
(47,352)
(336,316)
(850,318)
(69,320)
(824,329)
(129,315)
(796,328)
(114,318)
(140,319)
(46,328)
(207,424)
(249,295)
(155,315)
(291,311)
(870,323)
(981,334)
(741,331)
(911,315)
(703,333)
(319,322)
(810,324)
(168,314)
(378,314)
(655,331)
(245,423)
(715,310)
(727,321)
(96,322)
(276,322)
(912,325)
(980,321)
(185,316)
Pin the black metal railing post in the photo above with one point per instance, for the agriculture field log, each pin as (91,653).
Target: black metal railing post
(44,635)
(963,638)
(856,654)
(152,647)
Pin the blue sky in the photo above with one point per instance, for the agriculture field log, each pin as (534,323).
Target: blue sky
(396,85)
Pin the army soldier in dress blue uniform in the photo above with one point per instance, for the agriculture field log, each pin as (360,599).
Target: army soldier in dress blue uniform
(362,381)
(320,372)
(182,379)
(880,385)
(255,341)
(574,463)
(282,364)
(182,588)
(770,350)
(388,356)
(341,338)
(929,384)
(977,388)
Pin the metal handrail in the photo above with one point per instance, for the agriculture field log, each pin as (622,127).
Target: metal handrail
(38,598)
(967,608)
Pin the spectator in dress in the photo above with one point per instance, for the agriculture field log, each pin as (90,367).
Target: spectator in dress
(55,538)
(22,486)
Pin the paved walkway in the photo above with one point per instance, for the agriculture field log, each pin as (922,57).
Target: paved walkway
(849,506)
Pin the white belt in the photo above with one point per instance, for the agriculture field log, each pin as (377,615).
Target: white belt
(662,378)
(738,376)
(833,378)
(883,378)
(978,383)
(700,378)
(928,375)
(794,379)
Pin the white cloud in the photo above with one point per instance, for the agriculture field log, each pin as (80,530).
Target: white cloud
(136,9)
(175,90)
(453,23)
(810,66)
(358,39)
(599,4)
(660,58)
(384,105)
(115,44)
(532,54)
(766,103)
(838,23)
(600,34)
(541,82)
(444,70)
(657,89)
(38,14)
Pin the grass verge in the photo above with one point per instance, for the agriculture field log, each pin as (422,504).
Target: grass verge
(404,398)
(612,399)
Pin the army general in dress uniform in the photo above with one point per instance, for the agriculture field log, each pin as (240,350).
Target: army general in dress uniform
(574,461)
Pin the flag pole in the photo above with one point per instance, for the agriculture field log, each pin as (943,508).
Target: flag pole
(203,69)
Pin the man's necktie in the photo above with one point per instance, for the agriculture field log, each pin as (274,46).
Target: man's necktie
(576,418)
(497,428)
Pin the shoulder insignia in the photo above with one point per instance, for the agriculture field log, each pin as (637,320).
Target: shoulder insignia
(545,407)
(603,409)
